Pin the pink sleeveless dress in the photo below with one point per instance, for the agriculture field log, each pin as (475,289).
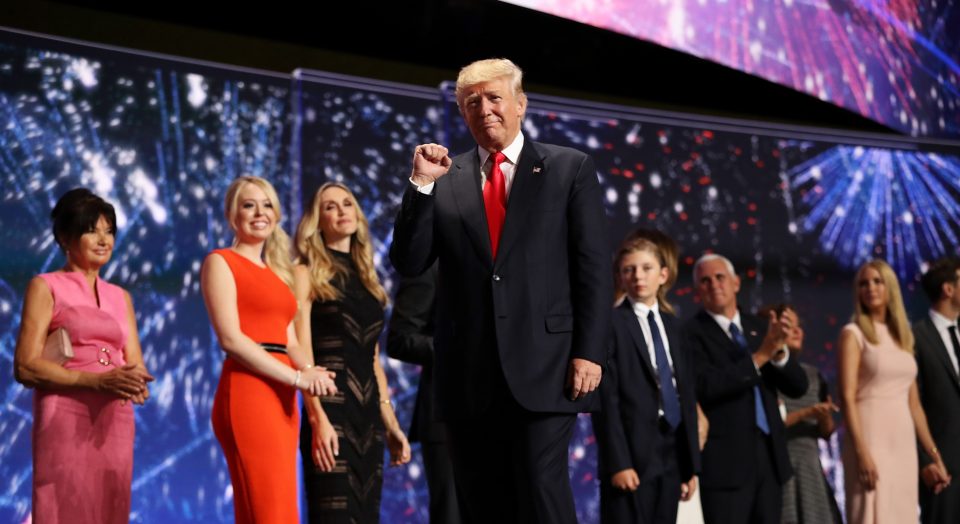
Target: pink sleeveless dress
(883,388)
(82,439)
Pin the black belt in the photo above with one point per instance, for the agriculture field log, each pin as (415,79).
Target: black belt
(274,348)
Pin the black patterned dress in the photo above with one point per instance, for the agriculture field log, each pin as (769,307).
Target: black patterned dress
(345,334)
(807,497)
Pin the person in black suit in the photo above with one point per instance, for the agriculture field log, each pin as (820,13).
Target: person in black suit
(647,429)
(937,349)
(741,362)
(519,232)
(410,339)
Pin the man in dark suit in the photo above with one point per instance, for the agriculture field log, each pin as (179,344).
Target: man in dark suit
(741,363)
(523,301)
(636,433)
(937,349)
(410,339)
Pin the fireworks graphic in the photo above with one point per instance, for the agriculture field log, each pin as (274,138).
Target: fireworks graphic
(895,62)
(864,203)
(162,138)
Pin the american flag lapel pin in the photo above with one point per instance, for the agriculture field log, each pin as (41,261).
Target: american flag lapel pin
(536,169)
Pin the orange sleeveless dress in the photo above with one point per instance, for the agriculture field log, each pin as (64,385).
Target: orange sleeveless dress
(255,418)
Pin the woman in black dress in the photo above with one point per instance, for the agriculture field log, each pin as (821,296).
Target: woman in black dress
(341,316)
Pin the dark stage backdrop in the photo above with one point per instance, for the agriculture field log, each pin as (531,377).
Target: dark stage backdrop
(796,210)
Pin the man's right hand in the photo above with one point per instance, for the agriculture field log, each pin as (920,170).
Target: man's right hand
(935,477)
(430,162)
(774,341)
(626,480)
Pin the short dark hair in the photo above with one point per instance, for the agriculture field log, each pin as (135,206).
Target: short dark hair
(939,273)
(77,212)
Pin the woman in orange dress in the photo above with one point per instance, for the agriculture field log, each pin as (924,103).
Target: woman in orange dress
(247,292)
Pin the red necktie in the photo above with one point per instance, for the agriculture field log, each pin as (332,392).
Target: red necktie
(495,200)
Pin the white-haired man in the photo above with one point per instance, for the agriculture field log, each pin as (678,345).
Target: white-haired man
(741,362)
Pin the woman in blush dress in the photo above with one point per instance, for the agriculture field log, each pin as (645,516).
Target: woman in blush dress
(881,406)
(83,425)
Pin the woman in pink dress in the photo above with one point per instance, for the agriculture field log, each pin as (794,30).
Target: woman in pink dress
(83,414)
(881,404)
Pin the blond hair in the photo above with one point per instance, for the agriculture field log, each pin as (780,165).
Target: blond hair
(321,266)
(276,249)
(635,243)
(486,71)
(895,315)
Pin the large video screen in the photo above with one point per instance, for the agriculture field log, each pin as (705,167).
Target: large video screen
(795,209)
(895,62)
(161,140)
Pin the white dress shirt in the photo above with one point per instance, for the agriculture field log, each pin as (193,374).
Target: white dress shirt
(508,167)
(642,311)
(724,324)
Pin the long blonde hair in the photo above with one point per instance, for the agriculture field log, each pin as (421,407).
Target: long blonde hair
(896,315)
(276,250)
(323,268)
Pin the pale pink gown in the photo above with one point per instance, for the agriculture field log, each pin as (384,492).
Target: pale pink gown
(82,439)
(883,385)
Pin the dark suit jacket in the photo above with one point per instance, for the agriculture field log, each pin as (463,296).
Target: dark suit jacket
(627,427)
(410,339)
(939,393)
(725,379)
(517,321)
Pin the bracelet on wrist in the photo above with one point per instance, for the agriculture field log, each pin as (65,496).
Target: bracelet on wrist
(296,379)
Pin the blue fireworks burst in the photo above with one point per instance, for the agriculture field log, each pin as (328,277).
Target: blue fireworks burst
(881,203)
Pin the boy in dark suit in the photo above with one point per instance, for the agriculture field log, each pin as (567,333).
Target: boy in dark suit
(647,430)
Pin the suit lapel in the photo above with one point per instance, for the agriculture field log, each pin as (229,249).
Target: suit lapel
(527,180)
(935,343)
(754,331)
(465,182)
(633,326)
(715,332)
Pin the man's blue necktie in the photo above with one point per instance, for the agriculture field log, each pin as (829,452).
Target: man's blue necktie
(668,393)
(761,415)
